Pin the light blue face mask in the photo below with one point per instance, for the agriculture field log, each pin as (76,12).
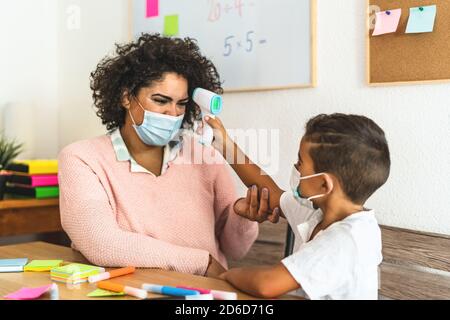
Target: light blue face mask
(157,129)
(294,182)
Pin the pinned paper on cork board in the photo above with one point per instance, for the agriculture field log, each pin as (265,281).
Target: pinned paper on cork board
(408,42)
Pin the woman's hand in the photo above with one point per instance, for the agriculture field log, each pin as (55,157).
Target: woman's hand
(220,133)
(254,209)
(215,269)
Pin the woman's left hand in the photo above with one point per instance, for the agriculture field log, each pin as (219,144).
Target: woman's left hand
(220,133)
(256,209)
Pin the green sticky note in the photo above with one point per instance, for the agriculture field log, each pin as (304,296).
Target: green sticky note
(104,293)
(76,269)
(171,25)
(42,265)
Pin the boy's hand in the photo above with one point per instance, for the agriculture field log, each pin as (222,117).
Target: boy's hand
(254,209)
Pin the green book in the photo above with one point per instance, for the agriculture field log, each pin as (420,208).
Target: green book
(37,192)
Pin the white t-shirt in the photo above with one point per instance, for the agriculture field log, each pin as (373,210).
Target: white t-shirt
(341,262)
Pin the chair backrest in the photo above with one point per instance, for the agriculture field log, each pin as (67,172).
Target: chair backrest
(290,240)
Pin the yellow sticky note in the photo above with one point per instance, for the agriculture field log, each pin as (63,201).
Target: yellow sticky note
(42,265)
(171,25)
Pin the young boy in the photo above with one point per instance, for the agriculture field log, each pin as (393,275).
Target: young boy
(342,161)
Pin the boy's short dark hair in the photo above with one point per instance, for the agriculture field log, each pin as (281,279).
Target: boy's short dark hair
(352,147)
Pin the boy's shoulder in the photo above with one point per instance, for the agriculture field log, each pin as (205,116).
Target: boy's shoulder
(360,225)
(363,230)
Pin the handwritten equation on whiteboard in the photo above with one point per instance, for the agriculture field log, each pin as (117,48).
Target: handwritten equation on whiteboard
(220,9)
(253,43)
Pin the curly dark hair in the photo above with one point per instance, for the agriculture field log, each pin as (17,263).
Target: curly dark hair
(139,63)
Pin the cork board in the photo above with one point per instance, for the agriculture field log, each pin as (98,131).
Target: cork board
(400,58)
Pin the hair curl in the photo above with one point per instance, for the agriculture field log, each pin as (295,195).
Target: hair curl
(138,64)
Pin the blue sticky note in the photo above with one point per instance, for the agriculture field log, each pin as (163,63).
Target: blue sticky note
(421,19)
(13,262)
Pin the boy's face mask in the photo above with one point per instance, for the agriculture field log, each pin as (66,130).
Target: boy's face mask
(157,129)
(295,184)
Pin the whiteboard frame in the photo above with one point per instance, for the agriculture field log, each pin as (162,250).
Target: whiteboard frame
(313,53)
(390,83)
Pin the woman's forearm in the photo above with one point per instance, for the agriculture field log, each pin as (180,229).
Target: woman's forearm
(250,173)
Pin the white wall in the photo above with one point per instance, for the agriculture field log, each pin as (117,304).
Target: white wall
(102,23)
(28,81)
(416,118)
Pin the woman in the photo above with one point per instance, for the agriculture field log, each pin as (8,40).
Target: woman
(133,197)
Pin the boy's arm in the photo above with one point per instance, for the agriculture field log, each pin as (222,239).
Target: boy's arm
(265,282)
(250,173)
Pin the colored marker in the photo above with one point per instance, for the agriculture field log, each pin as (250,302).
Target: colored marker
(219,295)
(168,291)
(54,292)
(115,287)
(111,274)
(192,297)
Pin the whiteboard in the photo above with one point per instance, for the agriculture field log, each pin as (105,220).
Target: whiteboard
(254,44)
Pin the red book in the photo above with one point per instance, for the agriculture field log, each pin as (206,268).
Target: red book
(35,180)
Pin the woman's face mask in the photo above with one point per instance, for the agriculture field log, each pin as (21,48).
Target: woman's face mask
(157,129)
(295,184)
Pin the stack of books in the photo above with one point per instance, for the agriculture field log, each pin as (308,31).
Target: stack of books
(33,179)
(74,273)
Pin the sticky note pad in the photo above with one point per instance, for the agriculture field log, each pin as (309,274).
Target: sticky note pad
(42,265)
(29,293)
(74,273)
(104,293)
(12,265)
(421,19)
(152,8)
(171,25)
(387,21)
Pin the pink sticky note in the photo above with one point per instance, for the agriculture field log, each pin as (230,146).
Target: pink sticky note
(152,8)
(29,293)
(387,21)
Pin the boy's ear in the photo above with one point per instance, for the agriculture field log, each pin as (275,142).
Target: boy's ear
(126,100)
(328,183)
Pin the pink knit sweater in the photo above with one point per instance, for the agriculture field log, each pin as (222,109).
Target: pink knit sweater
(115,217)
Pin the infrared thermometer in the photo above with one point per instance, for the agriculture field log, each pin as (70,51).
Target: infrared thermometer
(211,105)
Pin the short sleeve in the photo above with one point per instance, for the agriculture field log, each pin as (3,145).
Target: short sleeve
(324,266)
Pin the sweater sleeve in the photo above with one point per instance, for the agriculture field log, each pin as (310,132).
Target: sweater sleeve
(236,234)
(89,219)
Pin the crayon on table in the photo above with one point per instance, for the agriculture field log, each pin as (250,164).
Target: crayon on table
(217,294)
(168,291)
(115,287)
(111,274)
(191,297)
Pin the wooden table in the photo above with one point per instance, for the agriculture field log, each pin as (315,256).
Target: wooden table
(21,217)
(11,282)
